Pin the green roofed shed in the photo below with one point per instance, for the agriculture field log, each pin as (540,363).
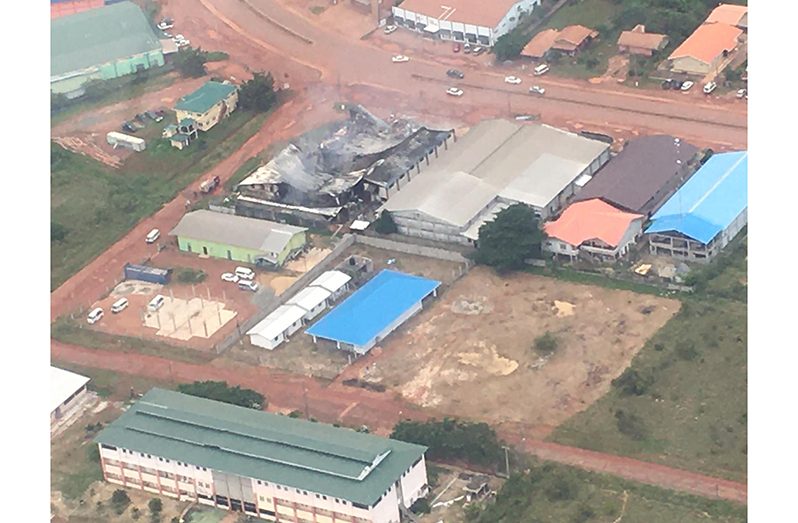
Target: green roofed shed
(204,98)
(318,457)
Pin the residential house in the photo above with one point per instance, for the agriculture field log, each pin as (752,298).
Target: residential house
(568,40)
(208,105)
(706,50)
(729,14)
(639,42)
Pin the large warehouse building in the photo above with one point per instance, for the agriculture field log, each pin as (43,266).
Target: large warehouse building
(475,21)
(273,467)
(374,311)
(496,164)
(67,391)
(101,44)
(706,213)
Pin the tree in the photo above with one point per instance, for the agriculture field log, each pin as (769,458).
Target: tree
(449,438)
(632,382)
(57,232)
(546,343)
(155,505)
(510,45)
(258,93)
(191,62)
(385,224)
(120,500)
(511,238)
(220,391)
(630,424)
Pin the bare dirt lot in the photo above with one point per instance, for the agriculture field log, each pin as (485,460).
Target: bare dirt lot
(471,352)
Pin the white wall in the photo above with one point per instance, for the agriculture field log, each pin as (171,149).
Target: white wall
(266,343)
(414,483)
(387,509)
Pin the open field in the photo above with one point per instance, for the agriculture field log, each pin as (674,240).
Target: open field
(470,353)
(694,412)
(558,493)
(96,204)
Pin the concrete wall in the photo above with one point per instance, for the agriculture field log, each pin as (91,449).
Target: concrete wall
(205,121)
(414,483)
(410,248)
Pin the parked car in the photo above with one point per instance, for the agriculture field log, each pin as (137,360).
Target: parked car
(245,273)
(711,86)
(512,80)
(536,89)
(477,51)
(466,48)
(182,43)
(742,93)
(389,29)
(686,86)
(454,91)
(152,236)
(128,127)
(456,47)
(248,285)
(541,69)
(154,116)
(229,277)
(140,118)
(119,305)
(667,84)
(399,59)
(94,316)
(156,303)
(210,184)
(166,23)
(178,37)
(454,73)
(160,112)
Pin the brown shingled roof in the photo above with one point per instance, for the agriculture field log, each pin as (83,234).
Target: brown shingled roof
(638,37)
(729,14)
(576,34)
(708,42)
(540,44)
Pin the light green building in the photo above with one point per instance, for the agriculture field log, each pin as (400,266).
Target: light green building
(238,238)
(101,44)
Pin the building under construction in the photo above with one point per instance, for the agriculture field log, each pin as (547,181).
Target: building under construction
(330,173)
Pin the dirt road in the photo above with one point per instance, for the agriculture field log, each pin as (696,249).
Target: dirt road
(354,407)
(294,117)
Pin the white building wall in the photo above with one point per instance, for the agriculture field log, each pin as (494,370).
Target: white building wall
(414,483)
(266,343)
(387,509)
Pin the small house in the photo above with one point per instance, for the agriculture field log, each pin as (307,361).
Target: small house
(639,42)
(208,105)
(179,141)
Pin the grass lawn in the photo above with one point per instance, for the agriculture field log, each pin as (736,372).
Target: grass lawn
(97,205)
(693,412)
(589,13)
(557,493)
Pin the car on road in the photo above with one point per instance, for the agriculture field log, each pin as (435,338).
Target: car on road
(454,91)
(400,59)
(711,86)
(230,277)
(389,29)
(456,47)
(742,93)
(686,86)
(94,316)
(248,285)
(536,89)
(152,236)
(512,80)
(454,73)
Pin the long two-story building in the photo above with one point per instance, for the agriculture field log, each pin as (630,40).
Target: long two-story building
(273,467)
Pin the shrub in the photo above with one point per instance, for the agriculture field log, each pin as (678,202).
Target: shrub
(187,275)
(421,506)
(686,350)
(220,391)
(449,438)
(385,224)
(561,489)
(546,343)
(120,500)
(630,424)
(632,382)
(155,505)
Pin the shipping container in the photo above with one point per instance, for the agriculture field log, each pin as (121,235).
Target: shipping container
(147,273)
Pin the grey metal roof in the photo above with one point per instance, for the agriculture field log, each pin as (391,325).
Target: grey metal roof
(228,229)
(521,162)
(642,175)
(311,456)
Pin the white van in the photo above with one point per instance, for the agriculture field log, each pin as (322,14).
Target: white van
(156,303)
(541,69)
(94,316)
(119,305)
(152,236)
(245,273)
(248,285)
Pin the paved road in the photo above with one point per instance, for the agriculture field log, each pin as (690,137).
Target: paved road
(331,58)
(380,412)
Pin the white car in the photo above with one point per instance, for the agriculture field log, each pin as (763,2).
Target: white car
(95,316)
(711,86)
(178,37)
(742,93)
(389,29)
(454,91)
(248,285)
(166,23)
(400,58)
(152,236)
(182,43)
(229,276)
(687,85)
(536,89)
(512,80)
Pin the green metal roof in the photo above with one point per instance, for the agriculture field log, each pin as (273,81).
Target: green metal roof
(311,456)
(205,97)
(99,36)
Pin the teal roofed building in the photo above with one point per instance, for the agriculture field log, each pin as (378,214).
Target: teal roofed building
(208,105)
(101,44)
(274,467)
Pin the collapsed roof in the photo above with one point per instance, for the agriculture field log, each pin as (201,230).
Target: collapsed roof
(327,162)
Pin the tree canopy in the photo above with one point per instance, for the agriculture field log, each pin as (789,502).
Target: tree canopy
(510,45)
(453,439)
(191,62)
(220,391)
(258,93)
(511,238)
(385,224)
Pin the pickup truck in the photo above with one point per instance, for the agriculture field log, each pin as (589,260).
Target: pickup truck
(210,184)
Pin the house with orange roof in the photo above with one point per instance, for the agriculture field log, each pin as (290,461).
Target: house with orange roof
(639,42)
(705,50)
(567,40)
(595,229)
(729,14)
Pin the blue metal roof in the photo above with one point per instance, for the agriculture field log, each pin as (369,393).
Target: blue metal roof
(710,200)
(374,307)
